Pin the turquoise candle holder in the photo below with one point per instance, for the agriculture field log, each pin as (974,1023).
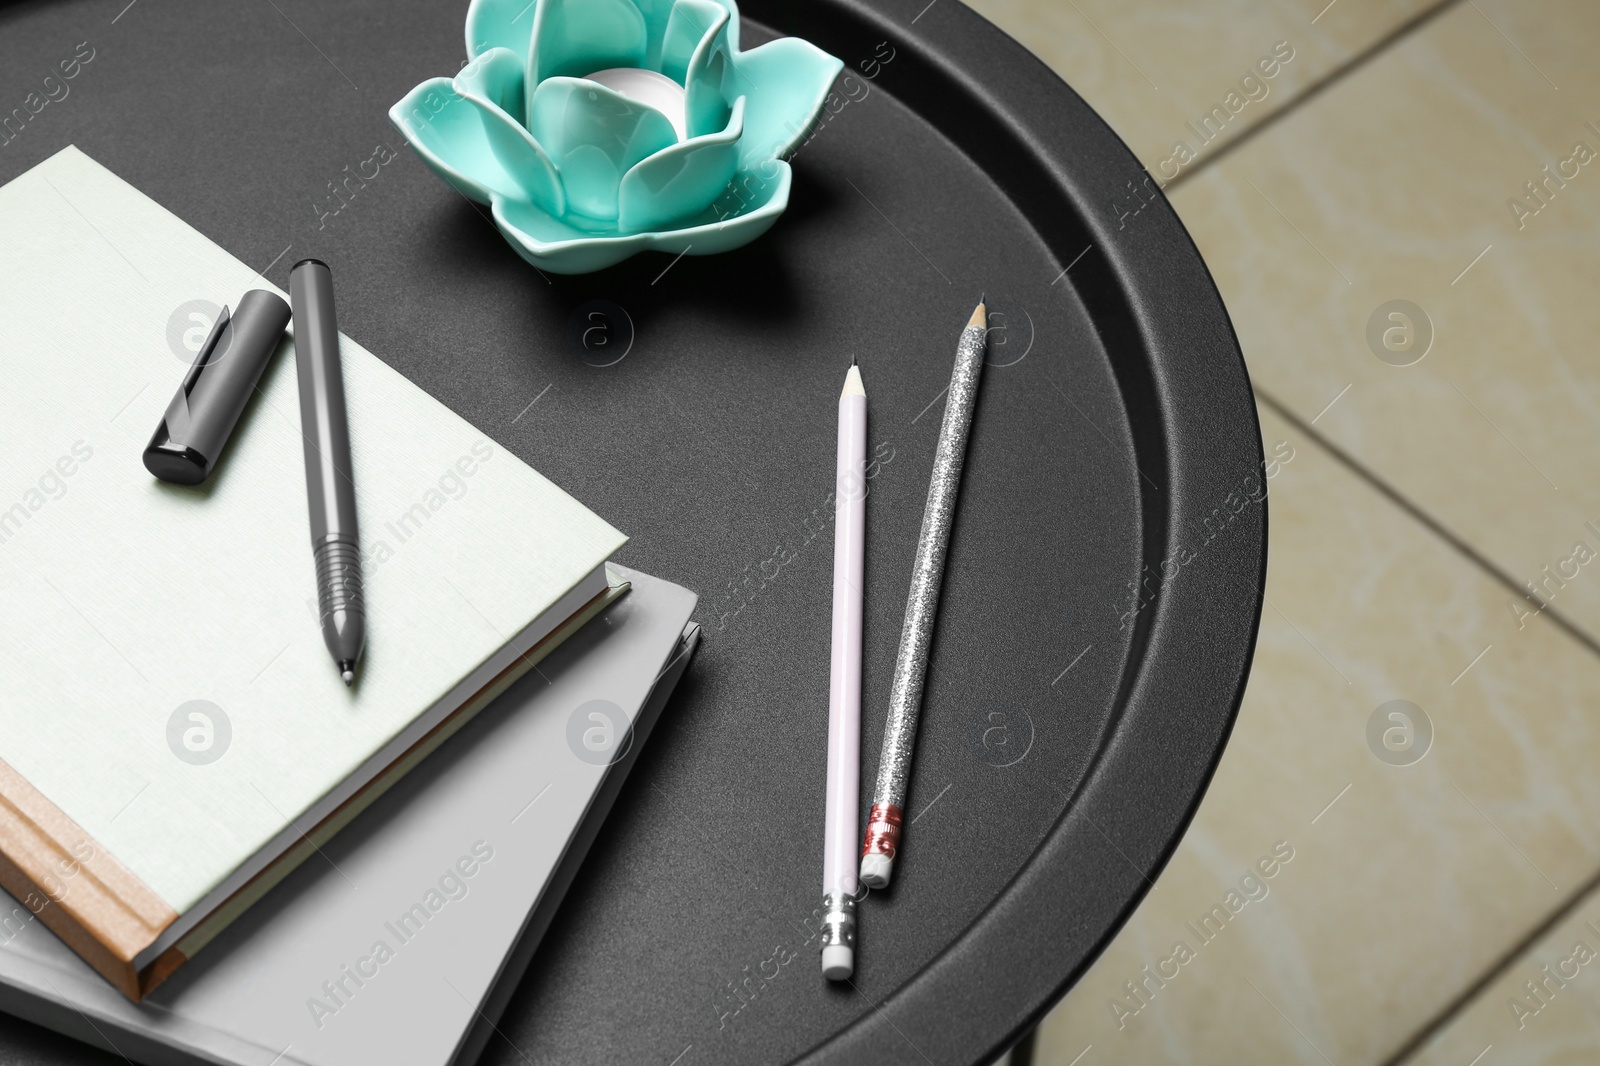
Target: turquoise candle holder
(595,129)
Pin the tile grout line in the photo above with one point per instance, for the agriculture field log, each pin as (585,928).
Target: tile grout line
(1503,963)
(1493,972)
(1432,524)
(1311,92)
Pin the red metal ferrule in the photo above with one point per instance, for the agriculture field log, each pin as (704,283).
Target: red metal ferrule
(883,830)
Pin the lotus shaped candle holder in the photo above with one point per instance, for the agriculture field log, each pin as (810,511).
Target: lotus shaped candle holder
(595,129)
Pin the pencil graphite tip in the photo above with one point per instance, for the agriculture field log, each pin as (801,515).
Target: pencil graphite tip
(852,382)
(980,314)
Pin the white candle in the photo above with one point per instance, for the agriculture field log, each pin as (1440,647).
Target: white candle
(649,88)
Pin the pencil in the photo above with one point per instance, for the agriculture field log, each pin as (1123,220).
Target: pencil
(844,689)
(882,843)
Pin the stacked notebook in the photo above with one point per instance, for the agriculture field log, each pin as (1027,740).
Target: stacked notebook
(287,977)
(173,741)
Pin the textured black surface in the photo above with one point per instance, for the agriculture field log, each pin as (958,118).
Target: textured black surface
(1121,422)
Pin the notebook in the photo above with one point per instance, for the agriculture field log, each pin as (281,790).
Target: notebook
(507,783)
(173,737)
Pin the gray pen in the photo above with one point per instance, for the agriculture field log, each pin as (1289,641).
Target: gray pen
(330,490)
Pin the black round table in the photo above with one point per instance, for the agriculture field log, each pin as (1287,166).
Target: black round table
(1106,573)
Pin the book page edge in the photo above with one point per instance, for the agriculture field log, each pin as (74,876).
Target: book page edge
(214,924)
(76,887)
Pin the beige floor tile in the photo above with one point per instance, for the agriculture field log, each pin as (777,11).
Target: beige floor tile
(1152,68)
(1554,1021)
(1390,186)
(1405,880)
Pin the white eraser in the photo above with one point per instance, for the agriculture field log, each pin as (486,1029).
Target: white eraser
(875,870)
(838,962)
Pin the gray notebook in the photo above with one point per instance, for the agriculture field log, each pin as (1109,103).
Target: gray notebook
(402,941)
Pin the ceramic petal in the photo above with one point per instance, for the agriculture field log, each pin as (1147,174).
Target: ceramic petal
(500,24)
(787,81)
(680,180)
(496,77)
(709,76)
(475,146)
(573,38)
(691,22)
(594,135)
(559,247)
(656,15)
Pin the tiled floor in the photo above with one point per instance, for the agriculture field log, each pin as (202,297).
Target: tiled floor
(1416,319)
(1494,432)
(1553,1022)
(1161,71)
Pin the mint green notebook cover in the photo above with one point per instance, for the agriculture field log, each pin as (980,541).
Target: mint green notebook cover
(132,604)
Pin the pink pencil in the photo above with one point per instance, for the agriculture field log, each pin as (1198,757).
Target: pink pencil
(844,690)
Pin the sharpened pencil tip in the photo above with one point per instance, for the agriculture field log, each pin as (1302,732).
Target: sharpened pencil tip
(852,382)
(980,315)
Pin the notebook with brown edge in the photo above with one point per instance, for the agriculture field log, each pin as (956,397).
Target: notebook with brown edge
(174,740)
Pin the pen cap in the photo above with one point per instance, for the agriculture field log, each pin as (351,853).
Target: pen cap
(186,445)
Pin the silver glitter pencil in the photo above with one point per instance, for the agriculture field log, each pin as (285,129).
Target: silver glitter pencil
(882,841)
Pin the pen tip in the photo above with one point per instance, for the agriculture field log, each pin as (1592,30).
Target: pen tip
(347,672)
(349,678)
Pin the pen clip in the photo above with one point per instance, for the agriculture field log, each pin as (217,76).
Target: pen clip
(177,421)
(203,356)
